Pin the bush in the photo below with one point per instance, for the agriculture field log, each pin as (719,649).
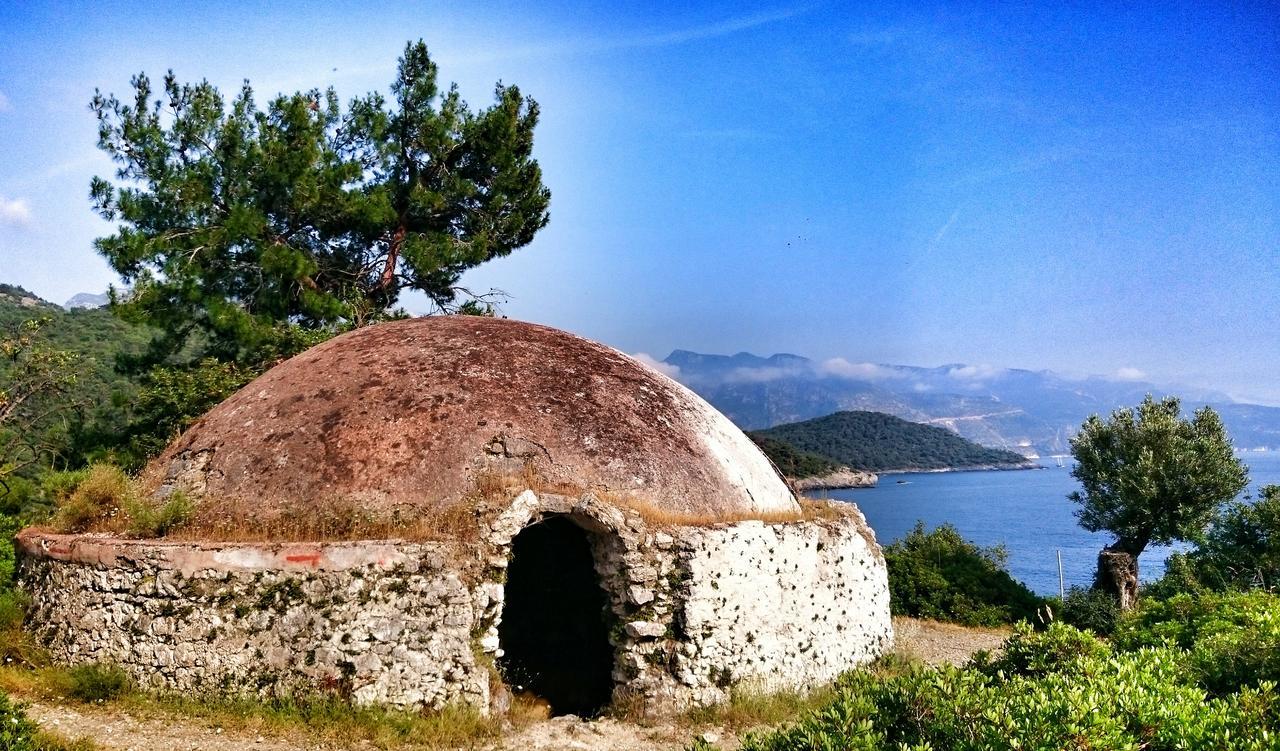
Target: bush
(1233,639)
(1057,690)
(159,519)
(104,499)
(96,682)
(1091,609)
(94,501)
(941,575)
(1057,649)
(17,733)
(1239,551)
(16,645)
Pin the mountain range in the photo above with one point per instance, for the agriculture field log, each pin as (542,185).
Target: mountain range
(1032,412)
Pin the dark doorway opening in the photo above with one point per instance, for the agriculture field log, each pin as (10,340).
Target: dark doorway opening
(554,640)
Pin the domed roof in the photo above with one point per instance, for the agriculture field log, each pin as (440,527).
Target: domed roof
(411,413)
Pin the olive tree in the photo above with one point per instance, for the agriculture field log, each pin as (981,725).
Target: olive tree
(1148,475)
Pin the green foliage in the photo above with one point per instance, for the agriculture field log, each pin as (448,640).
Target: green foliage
(1059,648)
(791,461)
(34,381)
(251,226)
(9,526)
(941,575)
(82,417)
(875,442)
(1240,550)
(97,682)
(1089,608)
(157,519)
(1233,639)
(170,399)
(1062,689)
(98,498)
(17,732)
(1149,476)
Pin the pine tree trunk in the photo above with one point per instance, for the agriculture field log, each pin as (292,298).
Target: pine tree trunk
(1118,574)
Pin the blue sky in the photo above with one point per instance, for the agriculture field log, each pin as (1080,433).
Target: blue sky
(1087,189)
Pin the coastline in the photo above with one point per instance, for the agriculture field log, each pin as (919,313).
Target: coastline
(845,478)
(972,468)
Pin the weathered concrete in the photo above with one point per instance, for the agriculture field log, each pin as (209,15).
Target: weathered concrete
(406,415)
(694,610)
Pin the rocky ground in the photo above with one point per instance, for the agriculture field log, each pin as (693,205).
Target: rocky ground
(114,729)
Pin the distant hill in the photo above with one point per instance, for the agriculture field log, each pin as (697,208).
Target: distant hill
(87,300)
(876,442)
(98,338)
(1031,412)
(791,461)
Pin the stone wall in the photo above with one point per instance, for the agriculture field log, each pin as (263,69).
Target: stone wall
(378,622)
(694,611)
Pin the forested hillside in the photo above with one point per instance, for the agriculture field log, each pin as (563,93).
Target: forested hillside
(791,461)
(876,442)
(96,395)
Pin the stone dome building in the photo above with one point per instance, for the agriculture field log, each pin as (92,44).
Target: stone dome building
(552,516)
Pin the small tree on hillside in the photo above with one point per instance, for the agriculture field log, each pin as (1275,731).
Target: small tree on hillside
(34,381)
(1149,476)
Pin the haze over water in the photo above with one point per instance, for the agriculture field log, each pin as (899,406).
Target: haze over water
(1027,512)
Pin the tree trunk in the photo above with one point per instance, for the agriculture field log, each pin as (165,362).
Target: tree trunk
(1118,573)
(393,254)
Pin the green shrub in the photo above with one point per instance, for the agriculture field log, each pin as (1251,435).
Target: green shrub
(941,575)
(149,519)
(17,733)
(1056,649)
(96,681)
(1063,689)
(9,526)
(97,499)
(1089,608)
(1239,551)
(1233,639)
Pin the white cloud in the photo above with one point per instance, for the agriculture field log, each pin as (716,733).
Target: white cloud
(1130,374)
(5,104)
(942,231)
(577,46)
(15,212)
(759,375)
(975,372)
(653,363)
(856,371)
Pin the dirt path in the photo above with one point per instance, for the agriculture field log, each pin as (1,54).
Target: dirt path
(114,729)
(936,643)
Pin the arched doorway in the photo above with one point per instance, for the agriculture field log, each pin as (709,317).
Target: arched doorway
(553,633)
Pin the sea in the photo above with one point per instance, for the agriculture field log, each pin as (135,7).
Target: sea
(1025,511)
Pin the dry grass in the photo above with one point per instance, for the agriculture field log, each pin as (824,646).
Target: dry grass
(749,709)
(936,642)
(659,516)
(321,719)
(234,520)
(107,500)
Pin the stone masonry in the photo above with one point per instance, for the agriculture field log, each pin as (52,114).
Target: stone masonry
(694,610)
